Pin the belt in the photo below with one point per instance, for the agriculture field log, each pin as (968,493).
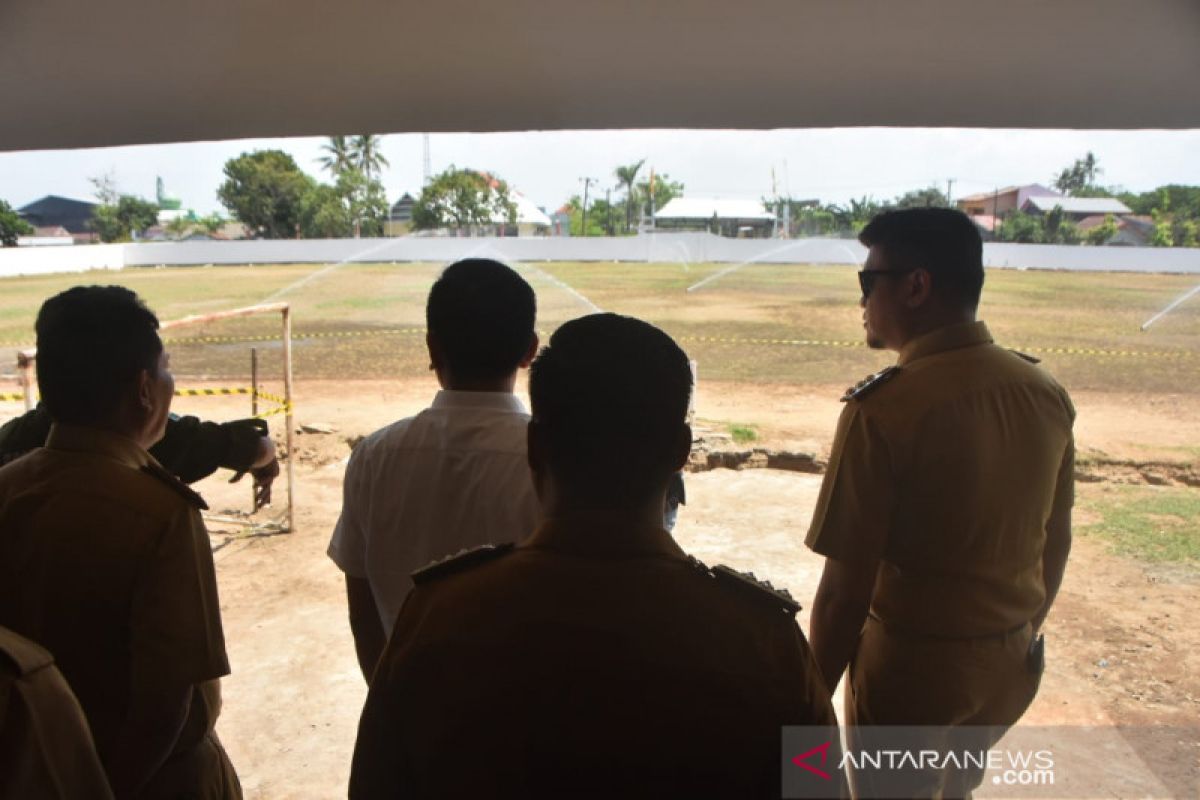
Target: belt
(935,637)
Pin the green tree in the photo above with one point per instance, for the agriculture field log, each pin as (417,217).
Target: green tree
(366,151)
(922,198)
(212,223)
(1020,227)
(365,201)
(600,214)
(263,190)
(1186,232)
(656,191)
(1162,234)
(1102,233)
(324,215)
(125,220)
(104,187)
(179,228)
(339,155)
(1057,229)
(1079,179)
(11,226)
(463,199)
(626,175)
(854,216)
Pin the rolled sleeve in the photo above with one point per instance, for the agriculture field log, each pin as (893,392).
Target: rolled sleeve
(854,509)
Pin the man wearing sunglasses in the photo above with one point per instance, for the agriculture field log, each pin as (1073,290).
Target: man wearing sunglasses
(944,515)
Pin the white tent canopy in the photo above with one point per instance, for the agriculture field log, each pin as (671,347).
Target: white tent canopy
(79,73)
(705,208)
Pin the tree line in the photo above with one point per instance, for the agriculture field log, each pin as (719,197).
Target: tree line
(273,198)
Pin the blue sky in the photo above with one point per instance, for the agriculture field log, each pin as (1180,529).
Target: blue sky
(830,164)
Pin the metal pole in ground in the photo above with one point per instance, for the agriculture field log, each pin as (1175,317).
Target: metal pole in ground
(287,416)
(25,364)
(253,407)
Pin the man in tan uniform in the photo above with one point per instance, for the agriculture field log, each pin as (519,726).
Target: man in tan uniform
(104,560)
(595,658)
(46,748)
(945,511)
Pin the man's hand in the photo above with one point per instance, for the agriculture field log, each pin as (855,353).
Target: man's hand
(264,470)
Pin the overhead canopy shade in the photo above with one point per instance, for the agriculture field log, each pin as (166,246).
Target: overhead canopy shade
(83,73)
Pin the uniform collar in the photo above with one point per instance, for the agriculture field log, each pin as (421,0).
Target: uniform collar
(593,536)
(951,337)
(77,439)
(500,401)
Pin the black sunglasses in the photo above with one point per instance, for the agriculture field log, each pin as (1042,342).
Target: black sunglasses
(867,278)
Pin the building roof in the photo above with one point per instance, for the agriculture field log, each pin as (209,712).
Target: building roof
(708,207)
(527,212)
(1023,192)
(1078,205)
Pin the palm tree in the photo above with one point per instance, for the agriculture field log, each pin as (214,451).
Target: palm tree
(340,155)
(368,156)
(1091,168)
(625,177)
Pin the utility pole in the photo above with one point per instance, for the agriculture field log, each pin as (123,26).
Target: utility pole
(608,204)
(428,170)
(950,192)
(587,182)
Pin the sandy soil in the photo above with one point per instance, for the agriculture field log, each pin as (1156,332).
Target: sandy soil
(1122,644)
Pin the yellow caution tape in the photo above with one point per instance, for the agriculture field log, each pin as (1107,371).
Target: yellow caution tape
(286,408)
(1075,351)
(14,397)
(212,392)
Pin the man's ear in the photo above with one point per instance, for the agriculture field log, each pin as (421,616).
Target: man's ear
(145,391)
(527,359)
(683,447)
(920,285)
(434,350)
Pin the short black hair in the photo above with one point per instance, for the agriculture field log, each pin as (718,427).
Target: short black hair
(92,341)
(610,394)
(481,313)
(942,240)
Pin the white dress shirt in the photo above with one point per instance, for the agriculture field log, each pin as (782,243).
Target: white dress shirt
(454,476)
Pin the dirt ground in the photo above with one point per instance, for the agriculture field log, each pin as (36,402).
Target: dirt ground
(1123,645)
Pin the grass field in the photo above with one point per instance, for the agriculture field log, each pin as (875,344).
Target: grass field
(370,318)
(367,320)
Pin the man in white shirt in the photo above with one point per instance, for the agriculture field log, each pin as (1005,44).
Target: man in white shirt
(454,476)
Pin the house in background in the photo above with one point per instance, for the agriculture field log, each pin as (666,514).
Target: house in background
(1132,230)
(47,236)
(399,220)
(1075,208)
(53,211)
(735,218)
(1001,202)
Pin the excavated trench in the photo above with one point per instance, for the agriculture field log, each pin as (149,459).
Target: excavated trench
(717,454)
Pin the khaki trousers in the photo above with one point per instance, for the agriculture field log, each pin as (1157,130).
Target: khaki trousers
(895,679)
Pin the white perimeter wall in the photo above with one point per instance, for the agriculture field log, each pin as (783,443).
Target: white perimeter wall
(663,247)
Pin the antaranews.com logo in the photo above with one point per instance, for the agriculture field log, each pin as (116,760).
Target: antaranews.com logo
(1024,762)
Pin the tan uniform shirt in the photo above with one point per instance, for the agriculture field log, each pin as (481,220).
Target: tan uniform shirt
(105,562)
(46,749)
(948,471)
(555,670)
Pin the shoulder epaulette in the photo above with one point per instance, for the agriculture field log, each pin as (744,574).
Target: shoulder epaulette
(27,656)
(746,582)
(869,384)
(177,485)
(464,559)
(1026,356)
